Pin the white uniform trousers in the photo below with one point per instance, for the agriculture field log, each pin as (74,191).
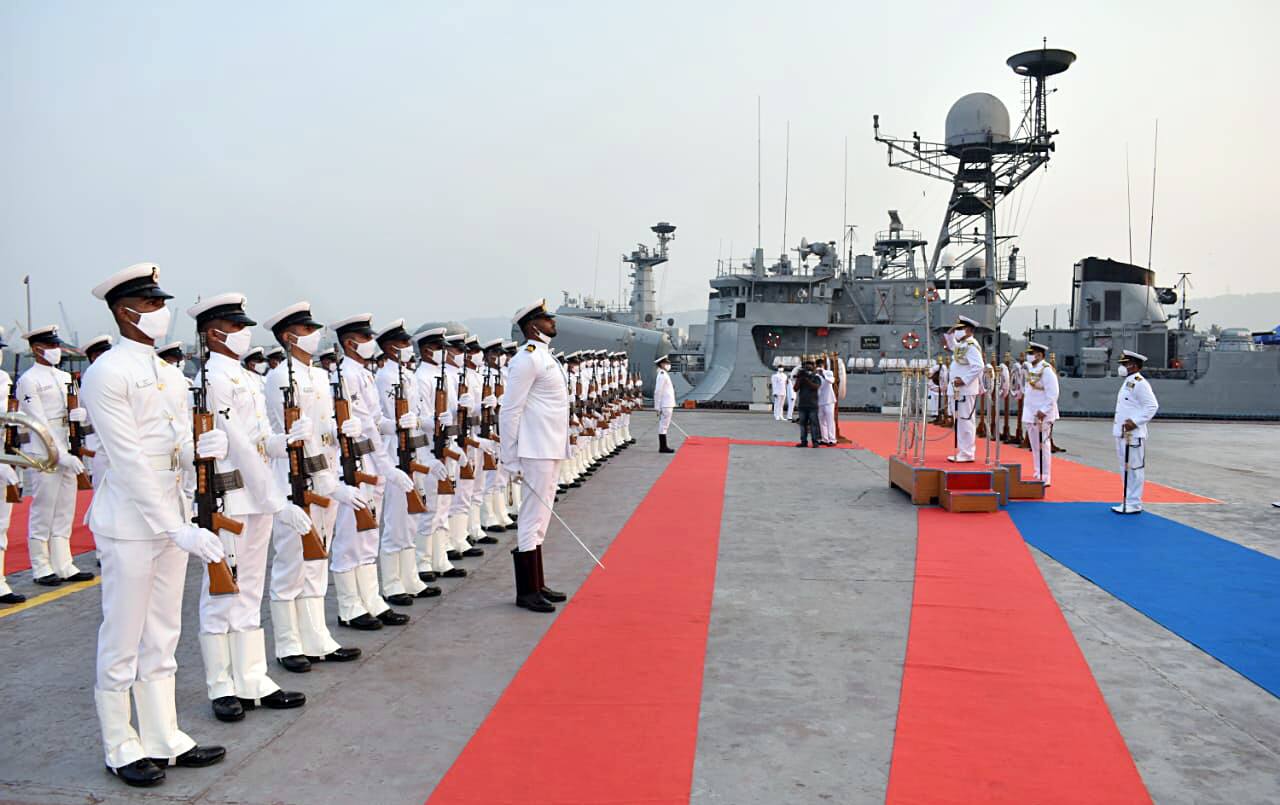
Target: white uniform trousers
(1040,435)
(459,513)
(298,588)
(53,509)
(433,536)
(779,403)
(791,406)
(142,582)
(231,638)
(827,422)
(1133,469)
(539,476)
(6,509)
(966,427)
(398,555)
(664,421)
(353,559)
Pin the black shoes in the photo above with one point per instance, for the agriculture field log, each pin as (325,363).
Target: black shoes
(340,655)
(662,444)
(430,591)
(554,596)
(296,663)
(50,580)
(364,622)
(79,575)
(453,556)
(228,708)
(12,598)
(473,552)
(399,600)
(527,594)
(140,773)
(280,700)
(426,576)
(487,540)
(389,617)
(197,757)
(454,573)
(802,444)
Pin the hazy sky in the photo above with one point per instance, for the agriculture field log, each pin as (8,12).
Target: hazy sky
(433,159)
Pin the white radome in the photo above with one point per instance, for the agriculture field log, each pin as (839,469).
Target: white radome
(977,118)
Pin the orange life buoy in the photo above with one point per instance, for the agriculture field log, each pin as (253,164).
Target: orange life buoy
(911,340)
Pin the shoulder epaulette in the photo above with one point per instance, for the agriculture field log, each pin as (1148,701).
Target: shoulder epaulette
(529,348)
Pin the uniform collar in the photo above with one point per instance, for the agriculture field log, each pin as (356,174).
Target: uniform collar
(129,345)
(219,361)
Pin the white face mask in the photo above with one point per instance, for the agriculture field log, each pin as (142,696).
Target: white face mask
(406,354)
(237,343)
(541,336)
(261,369)
(367,349)
(308,343)
(457,360)
(154,323)
(53,356)
(1122,371)
(180,365)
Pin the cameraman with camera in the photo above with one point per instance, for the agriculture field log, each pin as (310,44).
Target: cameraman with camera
(807,383)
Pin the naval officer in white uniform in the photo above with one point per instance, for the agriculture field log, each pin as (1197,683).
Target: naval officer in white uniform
(966,386)
(1136,405)
(141,521)
(778,389)
(1040,410)
(664,401)
(535,438)
(42,394)
(231,637)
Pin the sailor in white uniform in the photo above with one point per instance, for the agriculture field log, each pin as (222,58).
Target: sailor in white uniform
(827,403)
(231,637)
(141,522)
(298,585)
(966,373)
(255,363)
(1040,410)
(535,430)
(778,389)
(493,508)
(664,401)
(8,481)
(1136,405)
(42,394)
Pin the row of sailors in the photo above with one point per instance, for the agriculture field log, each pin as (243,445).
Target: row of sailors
(425,426)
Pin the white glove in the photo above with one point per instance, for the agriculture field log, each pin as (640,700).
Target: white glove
(350,496)
(212,444)
(78,415)
(463,460)
(409,421)
(294,519)
(464,399)
(386,426)
(490,402)
(438,471)
(302,430)
(8,476)
(351,428)
(399,479)
(489,446)
(199,542)
(69,462)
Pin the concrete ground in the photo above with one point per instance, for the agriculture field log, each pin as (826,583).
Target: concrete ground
(804,656)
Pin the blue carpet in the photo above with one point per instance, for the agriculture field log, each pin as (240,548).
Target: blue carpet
(1215,594)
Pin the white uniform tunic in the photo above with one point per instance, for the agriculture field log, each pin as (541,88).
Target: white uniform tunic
(1040,397)
(1135,401)
(966,366)
(42,394)
(231,639)
(827,406)
(139,406)
(664,400)
(535,428)
(778,388)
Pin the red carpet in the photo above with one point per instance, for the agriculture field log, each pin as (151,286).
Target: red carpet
(605,710)
(18,559)
(998,704)
(1072,482)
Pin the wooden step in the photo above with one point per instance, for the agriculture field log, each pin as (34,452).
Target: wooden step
(969,501)
(969,481)
(1021,488)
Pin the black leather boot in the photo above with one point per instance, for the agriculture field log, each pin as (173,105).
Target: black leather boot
(527,595)
(662,444)
(554,596)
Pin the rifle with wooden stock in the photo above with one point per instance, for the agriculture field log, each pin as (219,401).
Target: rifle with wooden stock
(300,493)
(75,432)
(486,419)
(12,438)
(350,450)
(440,436)
(209,492)
(463,422)
(407,446)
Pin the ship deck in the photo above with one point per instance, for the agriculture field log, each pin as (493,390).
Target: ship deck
(772,625)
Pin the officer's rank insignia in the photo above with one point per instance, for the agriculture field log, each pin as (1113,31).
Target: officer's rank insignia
(530,348)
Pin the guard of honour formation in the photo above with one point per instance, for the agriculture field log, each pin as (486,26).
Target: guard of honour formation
(382,463)
(386,463)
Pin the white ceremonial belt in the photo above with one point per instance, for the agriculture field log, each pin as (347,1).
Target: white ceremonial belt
(168,462)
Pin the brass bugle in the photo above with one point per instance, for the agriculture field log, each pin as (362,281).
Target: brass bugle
(21,458)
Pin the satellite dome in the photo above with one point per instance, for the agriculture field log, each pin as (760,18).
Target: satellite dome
(977,119)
